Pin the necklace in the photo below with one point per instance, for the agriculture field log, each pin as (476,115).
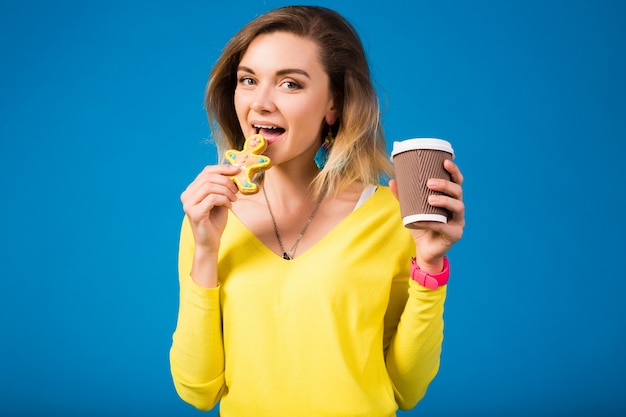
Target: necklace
(289,255)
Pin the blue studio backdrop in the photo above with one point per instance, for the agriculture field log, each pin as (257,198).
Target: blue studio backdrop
(102,126)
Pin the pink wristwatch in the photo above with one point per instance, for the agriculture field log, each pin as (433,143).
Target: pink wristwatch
(431,281)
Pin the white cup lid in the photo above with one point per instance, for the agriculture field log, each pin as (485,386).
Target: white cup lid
(421,143)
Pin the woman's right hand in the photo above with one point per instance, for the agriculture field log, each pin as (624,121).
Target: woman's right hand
(206,202)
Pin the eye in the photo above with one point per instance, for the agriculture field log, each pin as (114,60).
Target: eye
(246,80)
(291,85)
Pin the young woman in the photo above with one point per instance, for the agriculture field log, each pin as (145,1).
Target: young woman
(299,300)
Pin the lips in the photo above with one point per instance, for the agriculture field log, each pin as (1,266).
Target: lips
(271,132)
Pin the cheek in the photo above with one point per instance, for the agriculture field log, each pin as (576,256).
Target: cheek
(240,107)
(237,101)
(310,113)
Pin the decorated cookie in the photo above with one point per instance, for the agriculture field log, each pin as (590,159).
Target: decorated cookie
(251,161)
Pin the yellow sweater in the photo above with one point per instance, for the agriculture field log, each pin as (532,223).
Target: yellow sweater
(340,330)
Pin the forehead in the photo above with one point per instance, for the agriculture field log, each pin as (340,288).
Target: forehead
(282,50)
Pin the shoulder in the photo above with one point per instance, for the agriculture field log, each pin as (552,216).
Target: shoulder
(383,198)
(378,225)
(382,212)
(385,192)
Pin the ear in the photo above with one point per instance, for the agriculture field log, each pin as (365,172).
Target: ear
(332,115)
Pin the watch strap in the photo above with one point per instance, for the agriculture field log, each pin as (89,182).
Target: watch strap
(431,281)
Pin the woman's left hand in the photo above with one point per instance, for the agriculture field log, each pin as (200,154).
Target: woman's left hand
(434,239)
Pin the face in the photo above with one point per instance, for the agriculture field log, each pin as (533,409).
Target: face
(283,93)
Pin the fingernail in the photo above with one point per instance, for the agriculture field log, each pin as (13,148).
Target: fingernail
(433,198)
(431,183)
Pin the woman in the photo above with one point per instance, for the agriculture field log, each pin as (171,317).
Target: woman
(298,300)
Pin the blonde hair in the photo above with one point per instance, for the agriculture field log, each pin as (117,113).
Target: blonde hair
(359,152)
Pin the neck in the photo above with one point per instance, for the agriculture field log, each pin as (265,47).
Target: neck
(289,252)
(290,186)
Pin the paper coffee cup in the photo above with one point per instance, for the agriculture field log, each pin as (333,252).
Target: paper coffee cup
(415,162)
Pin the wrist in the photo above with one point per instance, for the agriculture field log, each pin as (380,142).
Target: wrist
(428,279)
(204,268)
(201,253)
(433,266)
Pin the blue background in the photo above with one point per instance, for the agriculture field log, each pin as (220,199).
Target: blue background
(102,126)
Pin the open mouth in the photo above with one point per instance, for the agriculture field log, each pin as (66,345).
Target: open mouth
(268,131)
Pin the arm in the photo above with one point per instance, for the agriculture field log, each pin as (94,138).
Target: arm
(414,349)
(197,353)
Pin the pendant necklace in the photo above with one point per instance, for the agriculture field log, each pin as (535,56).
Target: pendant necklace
(289,255)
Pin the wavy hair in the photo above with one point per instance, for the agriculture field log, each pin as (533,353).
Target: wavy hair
(359,152)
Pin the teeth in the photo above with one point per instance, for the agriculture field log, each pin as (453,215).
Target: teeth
(265,127)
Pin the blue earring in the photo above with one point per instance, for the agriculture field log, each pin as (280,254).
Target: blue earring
(321,156)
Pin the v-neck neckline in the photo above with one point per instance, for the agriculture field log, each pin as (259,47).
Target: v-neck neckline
(345,222)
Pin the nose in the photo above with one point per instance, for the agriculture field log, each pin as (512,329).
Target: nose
(263,101)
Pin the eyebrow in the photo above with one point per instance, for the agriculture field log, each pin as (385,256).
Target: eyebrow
(285,71)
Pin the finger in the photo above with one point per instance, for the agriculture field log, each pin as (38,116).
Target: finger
(216,173)
(456,207)
(449,188)
(447,202)
(393,186)
(434,239)
(455,172)
(212,175)
(204,207)
(206,190)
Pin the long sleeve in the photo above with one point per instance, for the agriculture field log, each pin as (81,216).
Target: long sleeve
(197,353)
(338,331)
(413,351)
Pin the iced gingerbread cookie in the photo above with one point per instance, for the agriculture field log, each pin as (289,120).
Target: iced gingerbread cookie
(251,161)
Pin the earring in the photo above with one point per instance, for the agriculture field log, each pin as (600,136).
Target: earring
(321,156)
